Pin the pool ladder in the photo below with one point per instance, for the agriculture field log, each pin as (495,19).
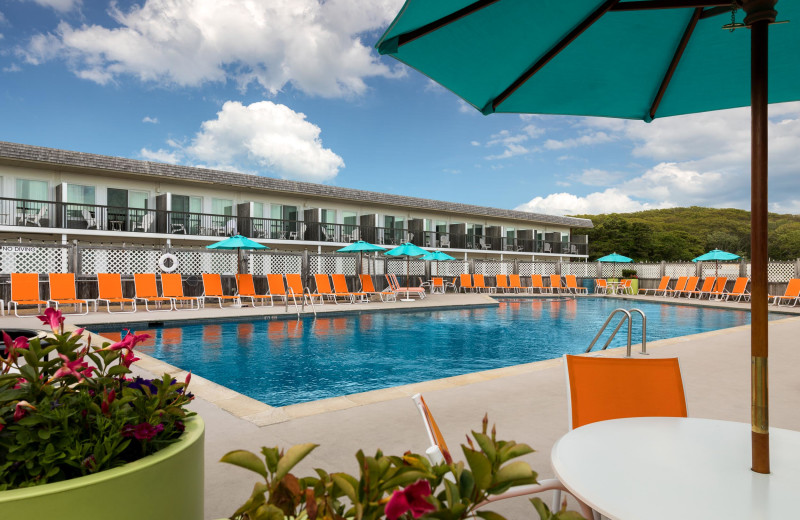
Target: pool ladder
(297,307)
(626,316)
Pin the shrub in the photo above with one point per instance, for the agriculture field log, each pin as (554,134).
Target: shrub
(629,273)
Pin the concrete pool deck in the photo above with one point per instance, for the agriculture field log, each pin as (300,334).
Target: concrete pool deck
(527,402)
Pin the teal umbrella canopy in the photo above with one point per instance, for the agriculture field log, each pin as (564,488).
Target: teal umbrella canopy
(716,255)
(360,247)
(407,249)
(237,242)
(437,256)
(614,257)
(592,57)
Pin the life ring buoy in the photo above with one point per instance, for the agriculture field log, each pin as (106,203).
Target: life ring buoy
(162,262)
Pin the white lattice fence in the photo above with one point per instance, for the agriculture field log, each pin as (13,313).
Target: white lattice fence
(198,261)
(779,271)
(271,263)
(124,261)
(647,270)
(398,266)
(16,258)
(332,264)
(579,269)
(450,268)
(728,270)
(678,270)
(542,268)
(490,268)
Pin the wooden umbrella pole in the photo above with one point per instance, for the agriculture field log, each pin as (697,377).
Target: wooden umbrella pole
(760,14)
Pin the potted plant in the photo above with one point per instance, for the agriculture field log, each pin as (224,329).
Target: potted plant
(78,435)
(390,487)
(630,274)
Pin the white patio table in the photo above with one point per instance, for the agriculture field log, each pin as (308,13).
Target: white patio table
(665,468)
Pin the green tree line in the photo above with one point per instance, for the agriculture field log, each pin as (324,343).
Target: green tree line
(685,233)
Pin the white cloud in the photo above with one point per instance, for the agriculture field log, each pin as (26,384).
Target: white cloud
(466,108)
(161,155)
(584,140)
(474,143)
(12,68)
(596,177)
(148,119)
(513,142)
(258,137)
(313,46)
(60,5)
(611,200)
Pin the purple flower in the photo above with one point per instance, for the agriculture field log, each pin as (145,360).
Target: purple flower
(140,384)
(142,431)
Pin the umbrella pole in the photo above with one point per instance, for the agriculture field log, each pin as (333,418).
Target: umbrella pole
(759,15)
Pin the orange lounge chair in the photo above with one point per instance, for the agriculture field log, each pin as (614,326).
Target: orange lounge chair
(600,286)
(109,289)
(515,284)
(277,288)
(437,285)
(625,287)
(705,289)
(62,292)
(367,286)
(555,284)
(502,282)
(691,285)
(572,285)
(25,291)
(246,288)
(172,288)
(212,288)
(296,290)
(663,285)
(792,293)
(147,291)
(465,282)
(680,285)
(537,283)
(340,287)
(324,288)
(739,290)
(395,286)
(480,284)
(719,288)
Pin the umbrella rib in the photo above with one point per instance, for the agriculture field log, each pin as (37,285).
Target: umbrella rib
(549,55)
(441,22)
(644,5)
(687,34)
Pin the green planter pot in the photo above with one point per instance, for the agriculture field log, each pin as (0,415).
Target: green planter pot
(167,484)
(634,284)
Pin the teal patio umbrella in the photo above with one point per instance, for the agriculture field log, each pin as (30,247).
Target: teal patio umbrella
(407,250)
(237,242)
(360,247)
(437,256)
(715,255)
(637,59)
(615,259)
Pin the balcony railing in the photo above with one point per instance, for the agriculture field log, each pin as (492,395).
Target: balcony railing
(67,215)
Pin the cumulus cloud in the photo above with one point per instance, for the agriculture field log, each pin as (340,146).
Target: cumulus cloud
(512,143)
(258,137)
(611,200)
(61,6)
(584,140)
(316,47)
(148,119)
(161,155)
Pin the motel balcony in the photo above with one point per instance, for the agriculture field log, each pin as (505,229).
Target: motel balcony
(48,216)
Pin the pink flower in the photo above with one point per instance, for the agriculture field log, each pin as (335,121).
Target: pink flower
(142,431)
(20,342)
(53,318)
(128,359)
(106,404)
(77,368)
(188,378)
(128,342)
(19,413)
(412,498)
(77,332)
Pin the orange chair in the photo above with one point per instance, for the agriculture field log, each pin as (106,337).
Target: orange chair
(395,286)
(537,283)
(465,282)
(437,285)
(739,290)
(480,285)
(600,286)
(25,291)
(147,291)
(109,289)
(515,284)
(680,285)
(340,287)
(719,288)
(277,288)
(792,293)
(555,284)
(62,292)
(662,287)
(439,453)
(502,282)
(572,285)
(246,288)
(368,287)
(324,288)
(295,285)
(212,288)
(172,288)
(691,285)
(705,289)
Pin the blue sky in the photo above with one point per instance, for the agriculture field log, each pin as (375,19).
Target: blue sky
(294,89)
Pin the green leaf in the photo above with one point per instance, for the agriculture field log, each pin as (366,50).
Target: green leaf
(466,484)
(541,508)
(514,471)
(345,485)
(480,466)
(256,498)
(486,445)
(245,459)
(568,515)
(489,515)
(403,479)
(292,456)
(117,370)
(513,450)
(271,456)
(452,492)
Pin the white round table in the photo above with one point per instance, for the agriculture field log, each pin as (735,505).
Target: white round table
(661,467)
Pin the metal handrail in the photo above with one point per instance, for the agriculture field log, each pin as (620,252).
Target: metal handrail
(627,316)
(310,300)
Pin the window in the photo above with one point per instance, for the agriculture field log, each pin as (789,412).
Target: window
(32,190)
(441,226)
(124,208)
(511,234)
(221,206)
(565,238)
(350,218)
(80,194)
(281,212)
(257,209)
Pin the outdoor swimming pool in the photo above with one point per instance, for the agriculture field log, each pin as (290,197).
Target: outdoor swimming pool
(283,362)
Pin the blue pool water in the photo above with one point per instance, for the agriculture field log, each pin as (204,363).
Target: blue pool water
(287,362)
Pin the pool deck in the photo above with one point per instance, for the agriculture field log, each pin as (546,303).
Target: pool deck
(528,402)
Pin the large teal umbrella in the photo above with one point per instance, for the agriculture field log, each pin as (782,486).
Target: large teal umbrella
(360,247)
(615,259)
(637,59)
(437,256)
(715,255)
(407,250)
(237,242)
